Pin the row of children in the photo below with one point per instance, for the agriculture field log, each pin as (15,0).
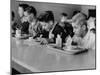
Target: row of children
(75,32)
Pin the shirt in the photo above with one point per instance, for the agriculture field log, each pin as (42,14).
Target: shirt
(62,31)
(91,23)
(25,28)
(87,42)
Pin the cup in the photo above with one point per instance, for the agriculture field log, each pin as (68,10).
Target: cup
(30,38)
(18,33)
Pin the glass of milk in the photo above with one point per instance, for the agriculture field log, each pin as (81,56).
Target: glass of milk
(18,33)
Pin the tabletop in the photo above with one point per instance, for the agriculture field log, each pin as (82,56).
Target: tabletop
(41,58)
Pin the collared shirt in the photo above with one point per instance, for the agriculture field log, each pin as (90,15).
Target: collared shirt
(91,23)
(62,31)
(87,42)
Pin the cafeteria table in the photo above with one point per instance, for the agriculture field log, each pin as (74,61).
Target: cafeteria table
(29,56)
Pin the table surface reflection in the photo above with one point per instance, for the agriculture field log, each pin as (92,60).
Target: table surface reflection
(39,58)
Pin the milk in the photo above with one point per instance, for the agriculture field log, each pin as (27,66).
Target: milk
(18,33)
(59,41)
(68,42)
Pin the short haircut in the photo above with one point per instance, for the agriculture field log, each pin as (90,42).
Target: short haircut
(46,16)
(80,17)
(64,14)
(24,6)
(75,12)
(31,10)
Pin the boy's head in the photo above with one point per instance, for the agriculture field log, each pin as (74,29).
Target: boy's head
(21,9)
(64,17)
(79,24)
(46,19)
(30,12)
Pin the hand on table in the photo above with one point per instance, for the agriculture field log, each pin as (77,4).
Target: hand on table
(43,41)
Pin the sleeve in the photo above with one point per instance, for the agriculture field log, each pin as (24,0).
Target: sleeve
(90,42)
(57,30)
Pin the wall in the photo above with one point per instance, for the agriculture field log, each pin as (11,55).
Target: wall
(56,8)
(85,8)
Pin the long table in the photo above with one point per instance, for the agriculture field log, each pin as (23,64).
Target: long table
(29,56)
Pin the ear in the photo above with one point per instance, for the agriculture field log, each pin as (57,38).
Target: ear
(84,27)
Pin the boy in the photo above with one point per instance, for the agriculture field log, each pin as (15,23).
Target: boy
(21,9)
(46,22)
(64,17)
(84,38)
(30,17)
(18,23)
(63,28)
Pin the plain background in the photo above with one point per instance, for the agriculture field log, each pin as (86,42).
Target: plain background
(5,37)
(56,8)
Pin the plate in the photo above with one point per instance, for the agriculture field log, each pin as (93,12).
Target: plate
(74,50)
(55,46)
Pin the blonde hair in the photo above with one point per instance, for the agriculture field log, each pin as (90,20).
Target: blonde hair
(80,18)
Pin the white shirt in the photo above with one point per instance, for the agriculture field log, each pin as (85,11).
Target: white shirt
(87,42)
(91,23)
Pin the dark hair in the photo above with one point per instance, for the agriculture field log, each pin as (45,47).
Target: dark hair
(31,10)
(92,12)
(24,6)
(75,12)
(46,16)
(12,15)
(64,14)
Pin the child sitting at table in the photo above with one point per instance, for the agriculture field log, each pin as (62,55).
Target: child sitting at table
(45,24)
(64,17)
(84,38)
(63,28)
(17,25)
(21,10)
(27,21)
(30,16)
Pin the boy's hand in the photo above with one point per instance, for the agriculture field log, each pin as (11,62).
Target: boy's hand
(51,36)
(43,41)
